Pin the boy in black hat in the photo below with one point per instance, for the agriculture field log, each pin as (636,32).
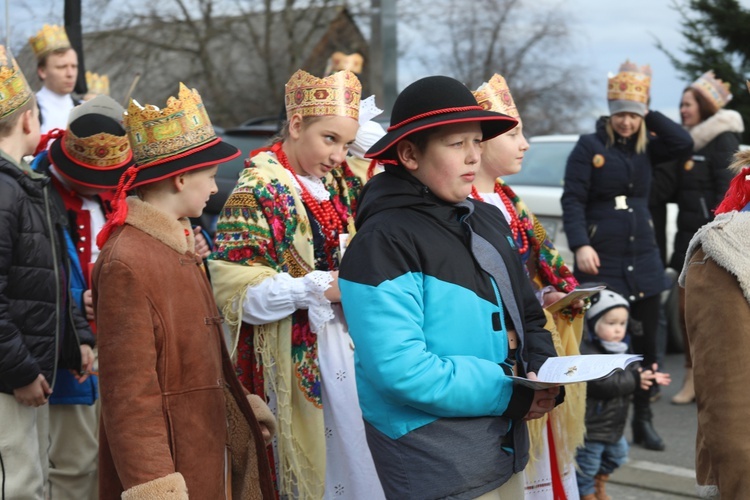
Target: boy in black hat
(440,309)
(84,163)
(174,416)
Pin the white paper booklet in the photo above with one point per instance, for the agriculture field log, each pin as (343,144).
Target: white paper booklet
(564,370)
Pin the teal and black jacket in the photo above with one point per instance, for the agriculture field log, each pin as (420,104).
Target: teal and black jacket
(429,327)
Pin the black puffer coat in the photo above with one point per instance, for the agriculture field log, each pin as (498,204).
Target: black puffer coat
(703,180)
(607,400)
(605,204)
(37,319)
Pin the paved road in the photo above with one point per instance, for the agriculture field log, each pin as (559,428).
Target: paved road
(669,474)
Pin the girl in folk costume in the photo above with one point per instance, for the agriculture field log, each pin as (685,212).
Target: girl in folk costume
(175,418)
(554,438)
(279,241)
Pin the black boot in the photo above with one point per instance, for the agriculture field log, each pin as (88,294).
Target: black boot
(644,433)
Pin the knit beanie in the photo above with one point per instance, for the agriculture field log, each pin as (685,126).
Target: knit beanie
(601,303)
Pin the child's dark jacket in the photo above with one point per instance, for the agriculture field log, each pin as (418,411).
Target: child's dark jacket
(608,399)
(38,318)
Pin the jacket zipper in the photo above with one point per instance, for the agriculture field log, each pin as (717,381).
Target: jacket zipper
(45,191)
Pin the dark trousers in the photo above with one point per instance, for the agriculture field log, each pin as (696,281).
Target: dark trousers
(646,311)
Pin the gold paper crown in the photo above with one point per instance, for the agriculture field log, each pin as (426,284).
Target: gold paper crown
(14,90)
(630,84)
(156,134)
(97,84)
(495,96)
(336,95)
(100,150)
(49,38)
(713,89)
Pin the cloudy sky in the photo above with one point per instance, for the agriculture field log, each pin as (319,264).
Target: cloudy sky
(606,33)
(615,31)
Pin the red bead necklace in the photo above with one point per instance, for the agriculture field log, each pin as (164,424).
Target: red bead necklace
(515,222)
(331,222)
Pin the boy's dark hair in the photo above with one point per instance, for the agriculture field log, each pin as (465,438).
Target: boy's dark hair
(421,138)
(8,123)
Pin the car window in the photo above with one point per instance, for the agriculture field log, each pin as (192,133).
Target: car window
(543,164)
(246,144)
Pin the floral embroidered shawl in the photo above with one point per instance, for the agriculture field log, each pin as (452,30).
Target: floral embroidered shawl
(263,230)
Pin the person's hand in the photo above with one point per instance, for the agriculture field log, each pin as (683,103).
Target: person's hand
(87,364)
(266,433)
(88,305)
(333,293)
(653,376)
(201,244)
(587,260)
(35,394)
(544,402)
(552,297)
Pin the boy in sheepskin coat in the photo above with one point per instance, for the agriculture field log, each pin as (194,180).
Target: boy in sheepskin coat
(175,419)
(716,278)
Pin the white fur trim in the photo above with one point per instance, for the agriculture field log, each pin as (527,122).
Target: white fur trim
(725,120)
(708,491)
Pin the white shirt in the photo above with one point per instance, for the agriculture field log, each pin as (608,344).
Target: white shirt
(54,108)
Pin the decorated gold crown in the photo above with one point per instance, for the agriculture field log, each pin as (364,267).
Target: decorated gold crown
(495,96)
(713,89)
(97,84)
(49,38)
(631,83)
(14,89)
(337,95)
(156,134)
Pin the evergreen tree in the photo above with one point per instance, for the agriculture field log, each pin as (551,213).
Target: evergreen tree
(716,37)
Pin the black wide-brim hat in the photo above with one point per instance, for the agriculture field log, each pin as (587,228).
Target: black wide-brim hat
(208,154)
(431,102)
(93,151)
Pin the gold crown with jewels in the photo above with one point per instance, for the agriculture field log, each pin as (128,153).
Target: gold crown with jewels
(156,133)
(335,95)
(713,89)
(631,83)
(14,89)
(97,84)
(49,38)
(494,95)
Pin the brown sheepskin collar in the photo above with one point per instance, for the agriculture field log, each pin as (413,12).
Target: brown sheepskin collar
(155,223)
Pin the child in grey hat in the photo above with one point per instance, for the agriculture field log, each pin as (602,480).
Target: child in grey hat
(607,400)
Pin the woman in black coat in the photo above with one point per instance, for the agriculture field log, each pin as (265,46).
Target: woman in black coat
(703,179)
(606,216)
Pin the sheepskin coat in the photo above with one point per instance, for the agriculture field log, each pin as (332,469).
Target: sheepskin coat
(716,278)
(173,411)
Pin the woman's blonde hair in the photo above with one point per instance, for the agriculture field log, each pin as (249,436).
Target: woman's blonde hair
(640,143)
